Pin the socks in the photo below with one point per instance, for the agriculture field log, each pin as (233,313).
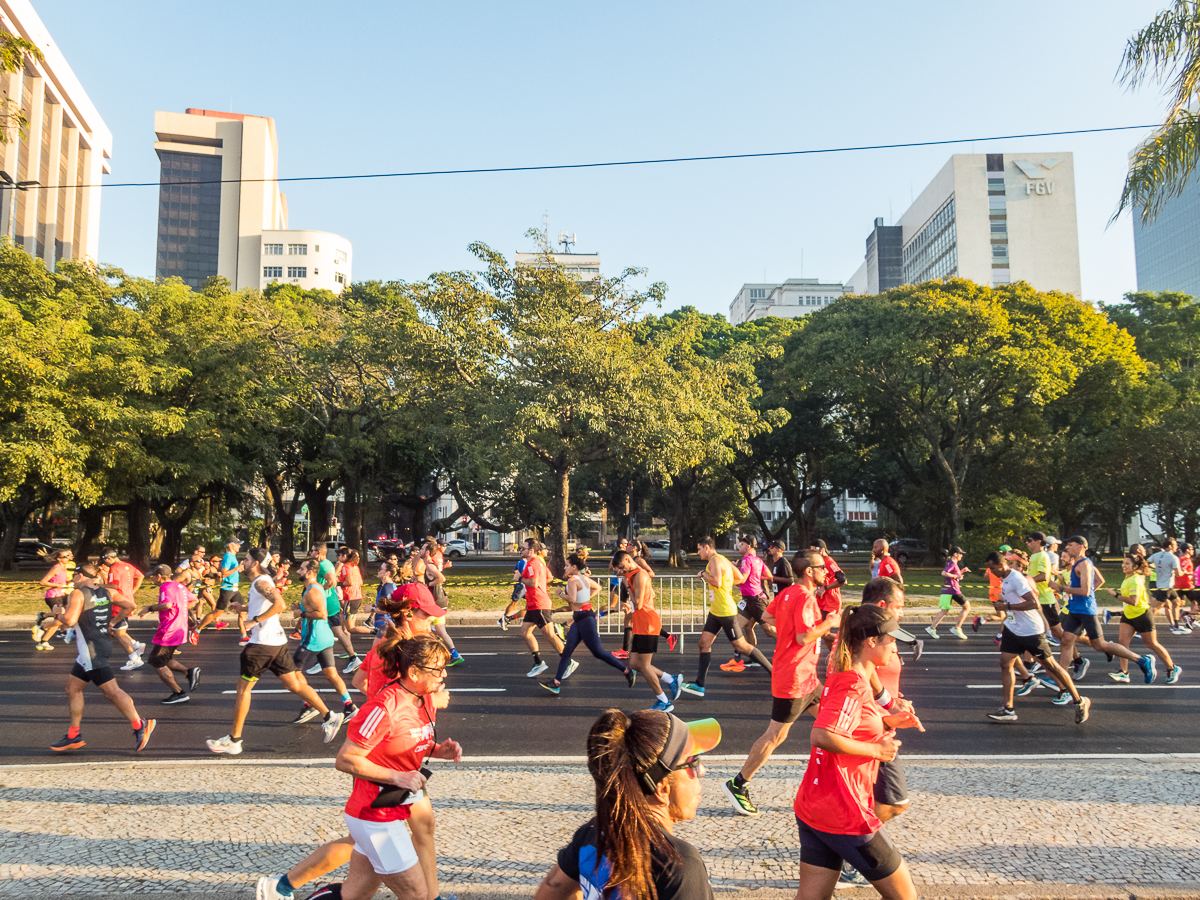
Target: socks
(702,673)
(537,658)
(135,724)
(662,698)
(346,697)
(739,781)
(667,678)
(73,732)
(284,886)
(757,656)
(627,641)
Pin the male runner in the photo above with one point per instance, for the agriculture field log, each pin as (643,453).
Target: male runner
(267,649)
(1166,570)
(126,579)
(172,609)
(1024,632)
(753,603)
(1184,584)
(646,625)
(228,593)
(883,565)
(518,594)
(1083,615)
(782,575)
(89,610)
(195,565)
(829,592)
(1042,570)
(720,576)
(794,686)
(316,644)
(536,577)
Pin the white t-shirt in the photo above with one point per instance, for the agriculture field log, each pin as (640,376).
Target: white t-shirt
(268,632)
(1025,622)
(1165,563)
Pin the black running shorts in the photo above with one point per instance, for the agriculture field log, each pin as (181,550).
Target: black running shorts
(97,676)
(1142,624)
(539,617)
(872,854)
(160,655)
(1050,611)
(224,598)
(1080,623)
(728,624)
(891,787)
(259,658)
(1035,645)
(752,608)
(787,710)
(304,658)
(1162,596)
(644,643)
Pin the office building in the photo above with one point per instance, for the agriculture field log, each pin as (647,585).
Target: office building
(220,210)
(586,266)
(65,150)
(992,218)
(794,298)
(1167,251)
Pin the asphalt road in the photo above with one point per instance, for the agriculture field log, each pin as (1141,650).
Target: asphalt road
(496,711)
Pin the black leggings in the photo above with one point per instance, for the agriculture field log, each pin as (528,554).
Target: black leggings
(583,628)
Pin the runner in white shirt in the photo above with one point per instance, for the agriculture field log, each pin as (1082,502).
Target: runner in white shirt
(1166,567)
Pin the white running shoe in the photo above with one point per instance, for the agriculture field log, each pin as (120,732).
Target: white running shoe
(353,666)
(134,662)
(332,723)
(138,647)
(68,635)
(268,889)
(225,745)
(537,670)
(574,664)
(314,669)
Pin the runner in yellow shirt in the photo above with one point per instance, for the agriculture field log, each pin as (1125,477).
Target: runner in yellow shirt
(1136,618)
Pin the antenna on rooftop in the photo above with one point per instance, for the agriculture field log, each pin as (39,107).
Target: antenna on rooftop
(567,240)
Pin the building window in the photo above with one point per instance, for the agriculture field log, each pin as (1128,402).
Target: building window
(758,293)
(316,248)
(339,278)
(339,256)
(316,271)
(297,271)
(189,216)
(933,251)
(272,271)
(272,249)
(297,249)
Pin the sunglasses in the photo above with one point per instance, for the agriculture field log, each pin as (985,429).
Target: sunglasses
(692,763)
(441,670)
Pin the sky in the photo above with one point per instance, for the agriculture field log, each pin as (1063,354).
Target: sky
(370,87)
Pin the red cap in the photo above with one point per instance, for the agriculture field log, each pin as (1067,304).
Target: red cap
(419,597)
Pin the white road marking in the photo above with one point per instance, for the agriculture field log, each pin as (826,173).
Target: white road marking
(332,691)
(1084,688)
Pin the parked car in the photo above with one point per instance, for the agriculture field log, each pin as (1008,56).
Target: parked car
(383,547)
(31,551)
(906,550)
(457,548)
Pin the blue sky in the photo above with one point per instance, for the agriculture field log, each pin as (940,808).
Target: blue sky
(393,86)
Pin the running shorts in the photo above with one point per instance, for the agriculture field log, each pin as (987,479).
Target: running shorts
(1162,596)
(119,625)
(644,643)
(388,845)
(1078,623)
(97,676)
(1142,624)
(891,787)
(787,710)
(539,617)
(224,598)
(259,658)
(52,602)
(1035,645)
(161,655)
(752,608)
(728,624)
(518,592)
(944,600)
(1050,611)
(873,854)
(335,621)
(353,606)
(304,658)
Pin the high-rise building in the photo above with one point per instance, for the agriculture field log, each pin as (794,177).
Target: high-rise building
(220,211)
(991,218)
(584,265)
(65,149)
(794,298)
(1167,251)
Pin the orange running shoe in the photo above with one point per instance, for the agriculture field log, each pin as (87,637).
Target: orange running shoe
(734,665)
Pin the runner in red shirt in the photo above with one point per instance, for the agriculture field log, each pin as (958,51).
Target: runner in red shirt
(536,578)
(829,592)
(126,579)
(835,808)
(1185,580)
(883,565)
(800,625)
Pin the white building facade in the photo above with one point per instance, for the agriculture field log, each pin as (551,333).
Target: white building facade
(310,259)
(794,298)
(65,150)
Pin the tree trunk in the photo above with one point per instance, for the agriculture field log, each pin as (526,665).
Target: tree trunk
(13,515)
(316,497)
(91,526)
(285,516)
(558,528)
(352,514)
(137,516)
(173,517)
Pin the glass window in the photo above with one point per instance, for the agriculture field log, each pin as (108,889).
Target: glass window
(339,256)
(272,249)
(297,249)
(189,216)
(297,272)
(272,271)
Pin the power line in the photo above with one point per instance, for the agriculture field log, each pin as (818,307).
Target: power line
(601,165)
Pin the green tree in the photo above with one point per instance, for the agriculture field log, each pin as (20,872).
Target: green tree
(14,51)
(1002,518)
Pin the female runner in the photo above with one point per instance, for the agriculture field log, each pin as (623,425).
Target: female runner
(1136,618)
(55,583)
(835,807)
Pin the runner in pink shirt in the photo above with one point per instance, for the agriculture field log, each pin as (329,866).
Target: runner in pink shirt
(172,608)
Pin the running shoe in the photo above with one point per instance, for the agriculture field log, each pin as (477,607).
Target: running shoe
(851,878)
(1027,687)
(1173,674)
(734,665)
(1184,627)
(295,636)
(355,663)
(1191,623)
(1036,669)
(1149,670)
(243,640)
(659,706)
(695,690)
(1082,710)
(1107,616)
(958,633)
(307,714)
(1063,698)
(1048,682)
(536,670)
(176,697)
(621,654)
(44,645)
(677,687)
(630,677)
(68,635)
(225,745)
(194,638)
(571,667)
(314,669)
(553,687)
(932,632)
(918,647)
(1080,667)
(998,638)
(39,633)
(138,647)
(193,675)
(503,623)
(267,888)
(1119,677)
(559,632)
(1109,657)
(740,798)
(141,736)
(672,641)
(454,661)
(342,654)
(975,623)
(1053,641)
(349,710)
(134,662)
(219,625)
(1175,629)
(1003,714)
(69,743)
(333,721)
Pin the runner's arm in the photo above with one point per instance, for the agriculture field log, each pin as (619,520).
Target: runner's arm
(70,615)
(352,759)
(836,743)
(277,602)
(557,886)
(47,583)
(823,628)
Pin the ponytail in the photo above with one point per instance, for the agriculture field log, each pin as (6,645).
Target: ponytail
(855,621)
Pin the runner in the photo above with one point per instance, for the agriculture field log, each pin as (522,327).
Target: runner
(829,595)
(782,575)
(883,565)
(1042,570)
(195,565)
(1136,618)
(267,650)
(834,806)
(518,594)
(55,582)
(387,749)
(432,561)
(578,593)
(1185,583)
(90,611)
(618,597)
(316,645)
(172,609)
(753,602)
(349,575)
(1166,569)
(951,591)
(720,576)
(1000,611)
(640,554)
(1024,632)
(647,625)
(794,684)
(647,771)
(126,579)
(536,577)
(229,570)
(327,578)
(1083,617)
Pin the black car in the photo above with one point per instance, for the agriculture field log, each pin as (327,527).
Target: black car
(906,550)
(30,551)
(384,547)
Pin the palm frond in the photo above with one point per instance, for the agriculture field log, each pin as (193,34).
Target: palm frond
(1156,51)
(1160,169)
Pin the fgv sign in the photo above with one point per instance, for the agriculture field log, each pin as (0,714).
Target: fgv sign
(1039,187)
(1037,172)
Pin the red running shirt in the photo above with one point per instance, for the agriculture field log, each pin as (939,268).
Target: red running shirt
(1183,581)
(398,735)
(535,594)
(831,600)
(121,575)
(889,568)
(373,666)
(794,665)
(837,795)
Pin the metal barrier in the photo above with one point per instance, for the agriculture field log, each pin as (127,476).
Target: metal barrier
(681,601)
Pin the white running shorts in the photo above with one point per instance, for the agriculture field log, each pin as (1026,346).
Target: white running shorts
(388,845)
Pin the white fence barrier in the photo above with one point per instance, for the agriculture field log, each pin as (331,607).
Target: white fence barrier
(681,601)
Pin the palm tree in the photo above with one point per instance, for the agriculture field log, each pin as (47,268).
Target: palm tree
(1165,51)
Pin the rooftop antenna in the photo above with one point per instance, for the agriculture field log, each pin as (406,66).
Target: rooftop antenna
(567,240)
(546,224)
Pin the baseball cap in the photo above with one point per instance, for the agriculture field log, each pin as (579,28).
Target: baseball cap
(1036,536)
(234,540)
(818,543)
(776,545)
(1004,548)
(419,596)
(1051,539)
(889,625)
